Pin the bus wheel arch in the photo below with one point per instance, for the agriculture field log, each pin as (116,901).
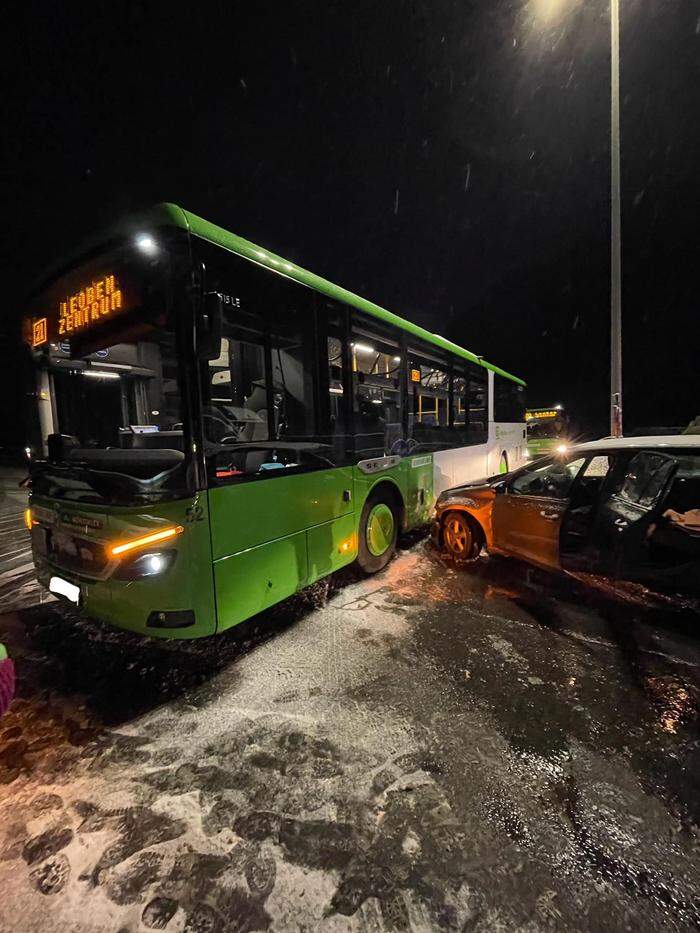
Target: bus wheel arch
(380,522)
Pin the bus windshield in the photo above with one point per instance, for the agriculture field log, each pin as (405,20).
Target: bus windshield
(546,424)
(108,379)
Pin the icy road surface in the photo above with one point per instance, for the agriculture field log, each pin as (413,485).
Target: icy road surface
(428,749)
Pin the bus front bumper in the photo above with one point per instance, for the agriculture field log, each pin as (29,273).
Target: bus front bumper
(135,605)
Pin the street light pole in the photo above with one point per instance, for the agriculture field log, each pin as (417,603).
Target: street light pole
(615,224)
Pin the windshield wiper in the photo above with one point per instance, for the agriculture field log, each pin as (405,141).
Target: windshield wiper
(110,486)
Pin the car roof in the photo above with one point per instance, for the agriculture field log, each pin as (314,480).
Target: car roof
(641,443)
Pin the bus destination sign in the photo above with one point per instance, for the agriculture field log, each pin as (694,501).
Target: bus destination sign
(93,302)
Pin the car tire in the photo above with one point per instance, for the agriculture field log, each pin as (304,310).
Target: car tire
(459,538)
(378,531)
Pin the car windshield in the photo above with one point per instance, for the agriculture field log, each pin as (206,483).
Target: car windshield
(551,479)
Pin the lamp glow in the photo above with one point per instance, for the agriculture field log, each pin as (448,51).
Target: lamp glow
(146,243)
(146,539)
(99,374)
(155,563)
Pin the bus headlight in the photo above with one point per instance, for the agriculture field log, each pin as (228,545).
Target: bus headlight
(150,564)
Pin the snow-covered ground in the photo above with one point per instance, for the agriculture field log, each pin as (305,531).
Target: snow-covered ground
(430,748)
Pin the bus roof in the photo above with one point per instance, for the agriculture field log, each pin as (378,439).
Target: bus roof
(172,215)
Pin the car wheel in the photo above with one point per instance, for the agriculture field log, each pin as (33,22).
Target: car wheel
(379,528)
(458,536)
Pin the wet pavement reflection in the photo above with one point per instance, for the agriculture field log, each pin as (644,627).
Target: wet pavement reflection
(433,748)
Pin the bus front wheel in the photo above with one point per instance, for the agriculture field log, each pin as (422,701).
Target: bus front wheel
(379,528)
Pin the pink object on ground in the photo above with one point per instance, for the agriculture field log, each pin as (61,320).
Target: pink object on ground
(7,683)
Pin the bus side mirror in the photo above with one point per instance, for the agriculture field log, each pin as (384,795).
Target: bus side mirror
(210,327)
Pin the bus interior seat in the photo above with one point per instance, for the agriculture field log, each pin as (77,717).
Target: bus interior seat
(156,440)
(253,460)
(256,402)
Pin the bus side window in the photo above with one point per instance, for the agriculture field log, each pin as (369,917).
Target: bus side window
(478,389)
(235,406)
(429,404)
(509,401)
(376,376)
(292,381)
(333,424)
(469,404)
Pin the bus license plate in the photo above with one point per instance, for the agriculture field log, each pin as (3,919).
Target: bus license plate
(62,587)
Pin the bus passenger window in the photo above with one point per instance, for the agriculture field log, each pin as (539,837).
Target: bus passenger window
(429,401)
(478,389)
(335,430)
(509,401)
(376,368)
(469,405)
(292,359)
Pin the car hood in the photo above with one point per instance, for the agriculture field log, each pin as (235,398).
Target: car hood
(479,493)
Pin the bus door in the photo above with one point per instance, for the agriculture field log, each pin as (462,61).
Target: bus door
(280,497)
(90,409)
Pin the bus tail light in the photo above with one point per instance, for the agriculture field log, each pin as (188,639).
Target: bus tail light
(163,535)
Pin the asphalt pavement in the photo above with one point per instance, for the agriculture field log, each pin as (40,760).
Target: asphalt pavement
(18,586)
(432,748)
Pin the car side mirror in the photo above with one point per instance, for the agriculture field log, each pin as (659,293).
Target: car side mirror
(500,487)
(210,327)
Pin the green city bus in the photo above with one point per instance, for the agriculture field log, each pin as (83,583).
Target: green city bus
(547,430)
(220,427)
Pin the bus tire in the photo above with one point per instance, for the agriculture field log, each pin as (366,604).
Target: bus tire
(503,465)
(378,531)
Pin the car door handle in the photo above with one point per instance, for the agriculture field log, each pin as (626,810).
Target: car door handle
(550,516)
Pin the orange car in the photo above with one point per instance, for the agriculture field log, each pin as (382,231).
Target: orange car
(624,508)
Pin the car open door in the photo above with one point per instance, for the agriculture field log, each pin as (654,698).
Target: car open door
(527,515)
(626,518)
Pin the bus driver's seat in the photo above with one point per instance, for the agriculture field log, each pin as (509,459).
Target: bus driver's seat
(256,402)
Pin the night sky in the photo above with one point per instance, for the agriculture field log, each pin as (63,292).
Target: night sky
(449,160)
